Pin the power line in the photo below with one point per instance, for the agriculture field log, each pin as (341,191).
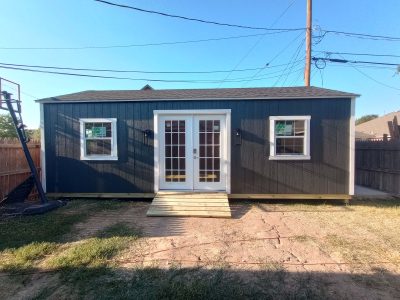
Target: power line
(293,64)
(351,34)
(364,35)
(193,19)
(146,44)
(293,58)
(277,55)
(336,60)
(373,79)
(358,54)
(135,71)
(129,78)
(258,41)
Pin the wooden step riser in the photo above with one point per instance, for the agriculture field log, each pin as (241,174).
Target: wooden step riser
(203,214)
(186,204)
(191,208)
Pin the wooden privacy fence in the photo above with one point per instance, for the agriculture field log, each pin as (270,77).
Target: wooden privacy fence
(14,168)
(378,165)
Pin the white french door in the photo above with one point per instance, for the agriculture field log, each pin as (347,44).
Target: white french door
(193,152)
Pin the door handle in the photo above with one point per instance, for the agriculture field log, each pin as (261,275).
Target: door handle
(194,151)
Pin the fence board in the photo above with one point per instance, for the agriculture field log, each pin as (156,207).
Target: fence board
(14,168)
(378,165)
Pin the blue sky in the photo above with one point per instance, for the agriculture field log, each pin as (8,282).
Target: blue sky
(79,23)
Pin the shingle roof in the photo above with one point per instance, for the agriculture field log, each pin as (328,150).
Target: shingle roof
(200,94)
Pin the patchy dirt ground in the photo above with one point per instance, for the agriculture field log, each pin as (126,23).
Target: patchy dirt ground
(352,251)
(342,243)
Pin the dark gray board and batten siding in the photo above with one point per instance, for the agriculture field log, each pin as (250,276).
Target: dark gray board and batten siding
(251,171)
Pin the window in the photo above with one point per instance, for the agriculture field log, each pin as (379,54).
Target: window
(289,137)
(98,139)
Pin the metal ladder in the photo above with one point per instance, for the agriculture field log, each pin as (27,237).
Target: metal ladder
(20,128)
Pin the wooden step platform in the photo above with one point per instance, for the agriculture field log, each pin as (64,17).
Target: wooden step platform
(190,204)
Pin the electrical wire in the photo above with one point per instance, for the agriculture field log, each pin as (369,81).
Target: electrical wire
(128,78)
(277,55)
(192,19)
(351,34)
(258,41)
(368,76)
(358,54)
(146,44)
(135,71)
(364,35)
(343,60)
(295,58)
(295,54)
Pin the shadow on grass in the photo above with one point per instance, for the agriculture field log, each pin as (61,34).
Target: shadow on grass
(52,227)
(200,283)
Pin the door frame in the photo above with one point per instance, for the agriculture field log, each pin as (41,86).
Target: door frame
(191,112)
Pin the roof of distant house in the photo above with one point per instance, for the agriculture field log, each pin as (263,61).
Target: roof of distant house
(150,94)
(377,127)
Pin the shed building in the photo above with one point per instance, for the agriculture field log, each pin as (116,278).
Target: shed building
(248,142)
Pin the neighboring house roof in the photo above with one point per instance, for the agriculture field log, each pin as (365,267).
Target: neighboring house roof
(149,94)
(377,127)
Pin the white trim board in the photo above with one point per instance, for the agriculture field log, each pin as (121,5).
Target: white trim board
(306,138)
(42,149)
(158,113)
(114,143)
(352,146)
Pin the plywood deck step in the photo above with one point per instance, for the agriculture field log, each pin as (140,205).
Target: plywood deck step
(190,204)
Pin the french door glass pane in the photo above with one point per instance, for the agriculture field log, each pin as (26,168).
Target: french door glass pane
(175,149)
(209,151)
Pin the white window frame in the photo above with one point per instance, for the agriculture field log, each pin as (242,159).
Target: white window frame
(114,148)
(306,138)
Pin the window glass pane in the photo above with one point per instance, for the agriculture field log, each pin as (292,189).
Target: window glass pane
(98,147)
(216,127)
(175,126)
(286,146)
(167,126)
(299,128)
(284,128)
(209,126)
(97,130)
(168,138)
(175,138)
(202,126)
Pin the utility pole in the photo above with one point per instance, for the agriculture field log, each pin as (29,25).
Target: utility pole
(307,69)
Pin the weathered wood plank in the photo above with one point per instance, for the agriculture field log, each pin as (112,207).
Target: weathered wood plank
(101,195)
(204,214)
(291,196)
(188,208)
(190,204)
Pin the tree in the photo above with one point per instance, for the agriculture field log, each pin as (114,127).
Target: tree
(365,118)
(7,129)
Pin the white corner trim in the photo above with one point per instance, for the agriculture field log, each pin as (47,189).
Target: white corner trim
(114,140)
(228,150)
(156,154)
(272,149)
(352,146)
(42,149)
